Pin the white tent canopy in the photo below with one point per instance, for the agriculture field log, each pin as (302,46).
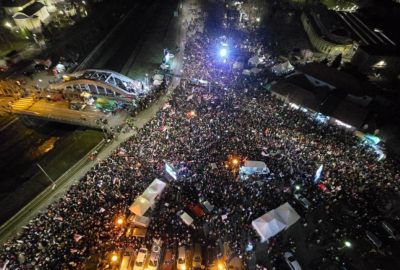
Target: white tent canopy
(283,67)
(268,225)
(140,206)
(157,185)
(150,195)
(288,214)
(255,70)
(254,61)
(246,72)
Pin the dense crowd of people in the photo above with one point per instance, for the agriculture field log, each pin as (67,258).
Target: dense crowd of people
(233,118)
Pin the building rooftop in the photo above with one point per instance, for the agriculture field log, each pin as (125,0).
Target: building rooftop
(344,111)
(332,77)
(32,9)
(296,95)
(14,3)
(327,24)
(381,50)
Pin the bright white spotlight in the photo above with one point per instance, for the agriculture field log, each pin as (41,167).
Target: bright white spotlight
(222,52)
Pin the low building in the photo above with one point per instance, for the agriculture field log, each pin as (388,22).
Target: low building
(377,60)
(31,17)
(322,75)
(13,6)
(324,90)
(326,33)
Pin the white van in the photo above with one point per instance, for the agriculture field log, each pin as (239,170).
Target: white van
(140,259)
(181,262)
(197,256)
(155,255)
(208,207)
(126,260)
(254,167)
(185,217)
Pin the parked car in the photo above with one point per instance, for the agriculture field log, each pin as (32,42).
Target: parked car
(303,201)
(374,240)
(393,233)
(324,188)
(155,255)
(206,204)
(181,261)
(186,218)
(40,67)
(235,264)
(77,105)
(167,264)
(126,260)
(211,258)
(29,74)
(196,209)
(140,259)
(291,261)
(340,266)
(197,256)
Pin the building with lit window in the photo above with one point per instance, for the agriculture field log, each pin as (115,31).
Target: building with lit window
(326,32)
(378,61)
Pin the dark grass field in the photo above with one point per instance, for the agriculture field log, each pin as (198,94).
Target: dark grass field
(55,147)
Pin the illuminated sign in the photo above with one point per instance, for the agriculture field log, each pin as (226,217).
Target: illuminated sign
(170,171)
(340,123)
(372,138)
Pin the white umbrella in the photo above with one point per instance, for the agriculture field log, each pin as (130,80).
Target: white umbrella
(255,70)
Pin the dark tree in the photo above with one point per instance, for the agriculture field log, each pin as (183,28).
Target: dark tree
(47,34)
(324,62)
(336,62)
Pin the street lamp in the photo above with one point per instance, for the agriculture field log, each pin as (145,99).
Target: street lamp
(8,24)
(120,221)
(235,161)
(223,52)
(297,188)
(346,244)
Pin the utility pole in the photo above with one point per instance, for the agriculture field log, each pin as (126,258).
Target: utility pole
(54,184)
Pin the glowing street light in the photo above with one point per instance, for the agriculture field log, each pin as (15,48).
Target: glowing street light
(8,24)
(346,244)
(120,221)
(235,161)
(114,258)
(258,19)
(223,52)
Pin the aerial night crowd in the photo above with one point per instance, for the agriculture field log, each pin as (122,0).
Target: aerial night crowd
(235,118)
